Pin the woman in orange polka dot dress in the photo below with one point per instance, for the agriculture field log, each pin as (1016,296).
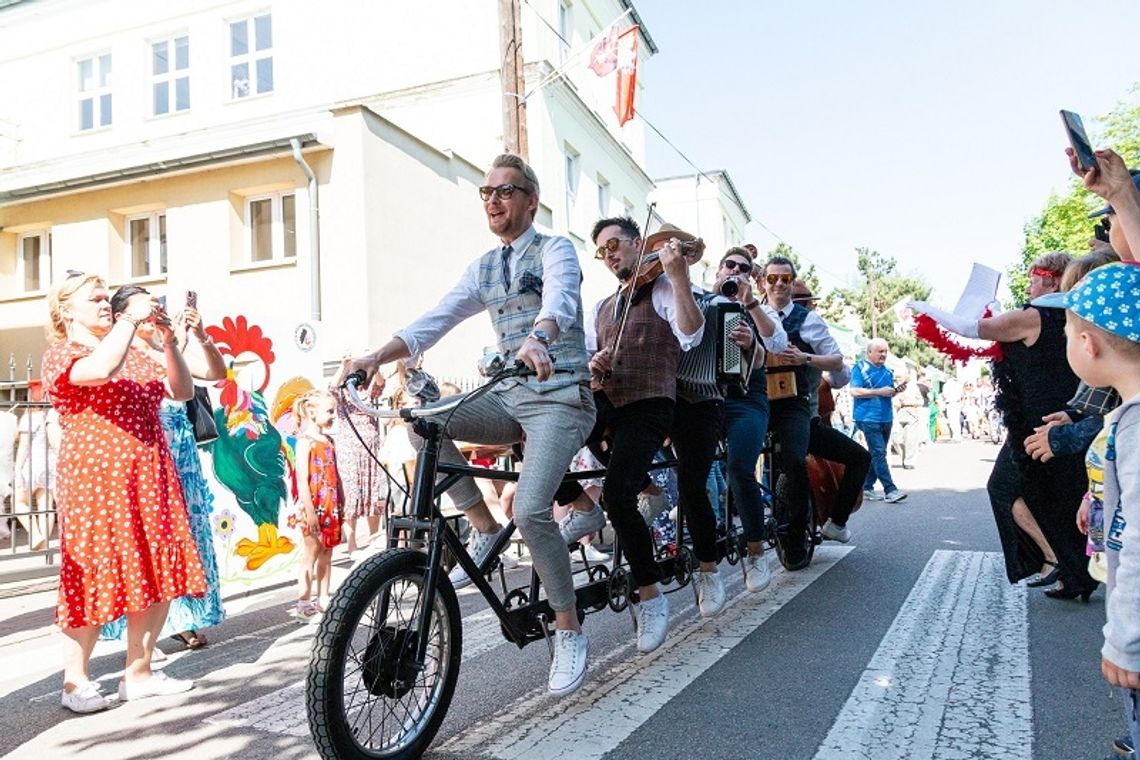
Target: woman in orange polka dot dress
(126,544)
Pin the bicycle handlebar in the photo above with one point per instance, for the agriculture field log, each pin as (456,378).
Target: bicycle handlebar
(408,413)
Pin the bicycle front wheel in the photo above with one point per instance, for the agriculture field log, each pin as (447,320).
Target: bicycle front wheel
(366,696)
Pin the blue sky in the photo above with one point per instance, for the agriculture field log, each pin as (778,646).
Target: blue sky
(925,130)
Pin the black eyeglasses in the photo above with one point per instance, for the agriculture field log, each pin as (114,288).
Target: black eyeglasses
(504,191)
(610,246)
(739,266)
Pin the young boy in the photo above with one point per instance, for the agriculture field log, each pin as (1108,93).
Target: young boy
(1103,331)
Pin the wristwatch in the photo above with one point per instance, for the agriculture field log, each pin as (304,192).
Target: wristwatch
(540,336)
(807,358)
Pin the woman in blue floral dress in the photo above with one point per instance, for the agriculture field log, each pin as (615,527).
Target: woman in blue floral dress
(188,615)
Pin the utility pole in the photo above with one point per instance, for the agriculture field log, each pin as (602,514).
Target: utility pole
(874,305)
(512,78)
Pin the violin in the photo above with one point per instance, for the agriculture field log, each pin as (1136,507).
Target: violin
(649,266)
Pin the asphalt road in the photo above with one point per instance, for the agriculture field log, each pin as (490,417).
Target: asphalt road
(906,643)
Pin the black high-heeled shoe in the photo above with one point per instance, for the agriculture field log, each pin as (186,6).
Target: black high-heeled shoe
(1047,580)
(1065,593)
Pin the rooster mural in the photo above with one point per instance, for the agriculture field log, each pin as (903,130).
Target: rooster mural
(248,455)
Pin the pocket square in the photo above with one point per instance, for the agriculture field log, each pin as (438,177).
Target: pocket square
(530,283)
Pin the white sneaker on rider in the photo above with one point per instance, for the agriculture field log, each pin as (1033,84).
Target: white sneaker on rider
(478,546)
(710,593)
(568,666)
(757,572)
(578,524)
(652,623)
(595,555)
(840,533)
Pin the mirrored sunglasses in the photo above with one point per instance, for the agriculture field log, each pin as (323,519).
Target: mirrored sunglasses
(610,246)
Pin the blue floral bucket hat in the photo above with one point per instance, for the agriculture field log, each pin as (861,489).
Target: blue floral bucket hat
(1108,296)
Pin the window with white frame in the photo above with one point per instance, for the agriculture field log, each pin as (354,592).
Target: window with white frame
(146,244)
(627,207)
(94,89)
(170,75)
(572,176)
(251,56)
(272,224)
(603,196)
(565,28)
(33,261)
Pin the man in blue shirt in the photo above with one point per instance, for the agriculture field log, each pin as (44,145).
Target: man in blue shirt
(872,388)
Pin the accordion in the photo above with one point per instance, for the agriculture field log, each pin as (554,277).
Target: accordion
(733,364)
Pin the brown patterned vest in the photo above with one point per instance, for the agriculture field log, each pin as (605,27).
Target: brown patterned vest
(646,365)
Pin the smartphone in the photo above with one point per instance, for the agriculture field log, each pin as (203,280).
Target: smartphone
(162,302)
(900,387)
(191,299)
(1075,128)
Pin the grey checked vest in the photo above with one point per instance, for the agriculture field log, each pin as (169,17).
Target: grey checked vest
(513,313)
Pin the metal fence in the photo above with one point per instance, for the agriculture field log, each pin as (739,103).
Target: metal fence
(29,437)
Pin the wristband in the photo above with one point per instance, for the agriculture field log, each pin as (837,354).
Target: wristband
(752,304)
(128,318)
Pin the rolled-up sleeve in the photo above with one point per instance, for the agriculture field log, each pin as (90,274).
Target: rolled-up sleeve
(562,282)
(666,308)
(459,303)
(778,340)
(815,332)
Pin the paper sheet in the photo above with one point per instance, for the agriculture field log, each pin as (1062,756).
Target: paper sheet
(980,291)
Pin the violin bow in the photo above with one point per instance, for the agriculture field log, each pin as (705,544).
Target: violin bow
(629,299)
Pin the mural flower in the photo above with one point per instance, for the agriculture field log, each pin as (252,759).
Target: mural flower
(224,523)
(292,522)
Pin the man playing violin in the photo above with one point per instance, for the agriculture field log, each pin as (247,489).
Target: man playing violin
(810,347)
(529,285)
(635,382)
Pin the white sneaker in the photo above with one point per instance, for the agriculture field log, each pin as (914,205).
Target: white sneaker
(509,560)
(568,666)
(710,593)
(896,496)
(757,572)
(871,496)
(85,699)
(478,546)
(158,685)
(595,555)
(578,524)
(842,534)
(652,623)
(650,505)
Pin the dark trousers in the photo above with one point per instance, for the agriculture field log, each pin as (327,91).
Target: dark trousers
(695,434)
(878,435)
(636,433)
(832,445)
(790,420)
(746,426)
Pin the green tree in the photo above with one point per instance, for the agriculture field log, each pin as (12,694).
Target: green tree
(881,286)
(1063,225)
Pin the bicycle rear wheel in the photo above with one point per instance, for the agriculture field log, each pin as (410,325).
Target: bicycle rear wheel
(365,695)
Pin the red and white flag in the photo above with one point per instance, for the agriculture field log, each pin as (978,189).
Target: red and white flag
(603,58)
(626,74)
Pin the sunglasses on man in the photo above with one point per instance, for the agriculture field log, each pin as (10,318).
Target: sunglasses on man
(610,246)
(787,279)
(504,191)
(733,265)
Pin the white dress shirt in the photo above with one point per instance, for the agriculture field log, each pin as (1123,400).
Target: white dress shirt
(815,333)
(561,279)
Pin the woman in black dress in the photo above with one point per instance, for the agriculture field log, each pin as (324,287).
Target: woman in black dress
(1034,503)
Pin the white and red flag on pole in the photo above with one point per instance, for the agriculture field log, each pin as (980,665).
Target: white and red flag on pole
(626,74)
(603,58)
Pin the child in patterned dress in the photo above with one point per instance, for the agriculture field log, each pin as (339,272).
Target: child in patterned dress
(320,499)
